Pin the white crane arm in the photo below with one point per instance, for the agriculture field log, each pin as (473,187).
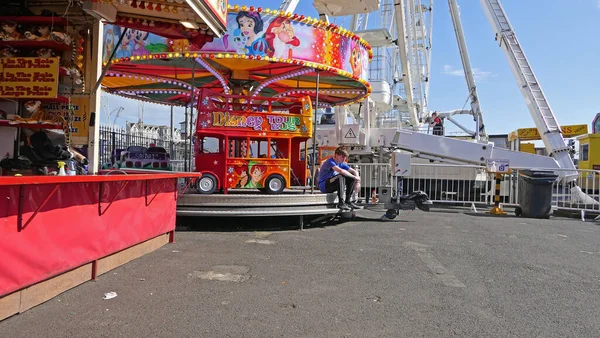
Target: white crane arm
(539,107)
(468,70)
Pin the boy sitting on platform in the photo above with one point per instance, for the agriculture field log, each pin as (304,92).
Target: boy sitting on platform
(336,175)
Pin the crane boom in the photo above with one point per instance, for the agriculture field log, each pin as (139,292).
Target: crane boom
(539,107)
(466,61)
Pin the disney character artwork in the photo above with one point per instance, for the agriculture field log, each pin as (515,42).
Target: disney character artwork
(356,60)
(139,38)
(281,38)
(124,49)
(248,175)
(251,25)
(242,172)
(109,43)
(257,172)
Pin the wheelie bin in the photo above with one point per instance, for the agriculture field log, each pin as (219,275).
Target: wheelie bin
(535,193)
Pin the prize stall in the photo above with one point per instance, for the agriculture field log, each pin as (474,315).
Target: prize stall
(63,224)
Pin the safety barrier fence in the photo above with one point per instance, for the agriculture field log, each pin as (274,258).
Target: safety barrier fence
(470,184)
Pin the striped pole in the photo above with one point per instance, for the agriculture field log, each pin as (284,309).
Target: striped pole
(496,210)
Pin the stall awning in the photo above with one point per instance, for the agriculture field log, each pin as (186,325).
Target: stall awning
(177,19)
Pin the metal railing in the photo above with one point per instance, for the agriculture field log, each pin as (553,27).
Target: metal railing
(444,183)
(470,184)
(119,138)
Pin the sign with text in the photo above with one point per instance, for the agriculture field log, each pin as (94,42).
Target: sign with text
(268,123)
(530,134)
(29,77)
(81,115)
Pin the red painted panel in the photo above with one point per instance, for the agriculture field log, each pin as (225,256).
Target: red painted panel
(69,231)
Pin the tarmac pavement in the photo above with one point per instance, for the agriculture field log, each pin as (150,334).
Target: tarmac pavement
(437,274)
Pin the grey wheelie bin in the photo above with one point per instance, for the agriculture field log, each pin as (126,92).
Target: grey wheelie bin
(535,193)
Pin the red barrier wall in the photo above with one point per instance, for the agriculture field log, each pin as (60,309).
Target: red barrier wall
(78,220)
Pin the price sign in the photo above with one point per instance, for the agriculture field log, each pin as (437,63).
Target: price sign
(498,166)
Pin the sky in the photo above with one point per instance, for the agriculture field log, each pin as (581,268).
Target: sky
(560,40)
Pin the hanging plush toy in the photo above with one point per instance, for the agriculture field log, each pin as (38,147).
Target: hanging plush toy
(61,38)
(75,74)
(39,33)
(9,32)
(37,114)
(8,52)
(44,53)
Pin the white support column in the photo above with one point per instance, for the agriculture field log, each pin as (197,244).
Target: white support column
(93,70)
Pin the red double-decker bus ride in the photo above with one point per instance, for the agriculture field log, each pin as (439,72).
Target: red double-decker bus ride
(251,142)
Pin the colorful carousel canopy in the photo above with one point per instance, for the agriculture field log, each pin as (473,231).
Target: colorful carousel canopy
(263,52)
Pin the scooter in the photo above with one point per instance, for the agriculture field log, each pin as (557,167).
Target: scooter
(417,199)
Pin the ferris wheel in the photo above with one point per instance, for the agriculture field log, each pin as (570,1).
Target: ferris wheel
(400,33)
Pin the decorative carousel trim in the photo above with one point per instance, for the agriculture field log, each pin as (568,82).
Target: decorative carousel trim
(158,79)
(215,73)
(195,55)
(145,99)
(307,21)
(278,78)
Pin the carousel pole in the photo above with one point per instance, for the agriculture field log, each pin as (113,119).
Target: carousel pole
(191,115)
(185,144)
(171,132)
(94,72)
(314,139)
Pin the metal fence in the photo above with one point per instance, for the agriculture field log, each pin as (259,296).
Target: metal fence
(469,184)
(119,138)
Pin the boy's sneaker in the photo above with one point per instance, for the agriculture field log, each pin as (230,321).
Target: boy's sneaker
(354,205)
(344,206)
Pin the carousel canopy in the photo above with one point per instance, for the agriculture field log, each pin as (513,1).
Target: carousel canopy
(263,52)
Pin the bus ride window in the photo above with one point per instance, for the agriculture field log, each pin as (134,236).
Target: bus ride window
(231,148)
(238,148)
(259,149)
(279,148)
(209,145)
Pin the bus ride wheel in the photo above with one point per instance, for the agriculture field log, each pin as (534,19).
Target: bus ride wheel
(207,184)
(274,184)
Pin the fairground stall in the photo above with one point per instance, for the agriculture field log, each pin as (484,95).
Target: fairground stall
(61,223)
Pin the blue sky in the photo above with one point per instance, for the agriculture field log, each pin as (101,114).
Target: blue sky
(559,37)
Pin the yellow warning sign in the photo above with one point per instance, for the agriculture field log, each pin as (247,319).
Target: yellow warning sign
(528,134)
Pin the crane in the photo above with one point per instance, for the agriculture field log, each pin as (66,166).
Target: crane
(466,61)
(116,112)
(538,105)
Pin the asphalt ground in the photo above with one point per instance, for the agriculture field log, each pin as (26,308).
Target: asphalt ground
(438,274)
